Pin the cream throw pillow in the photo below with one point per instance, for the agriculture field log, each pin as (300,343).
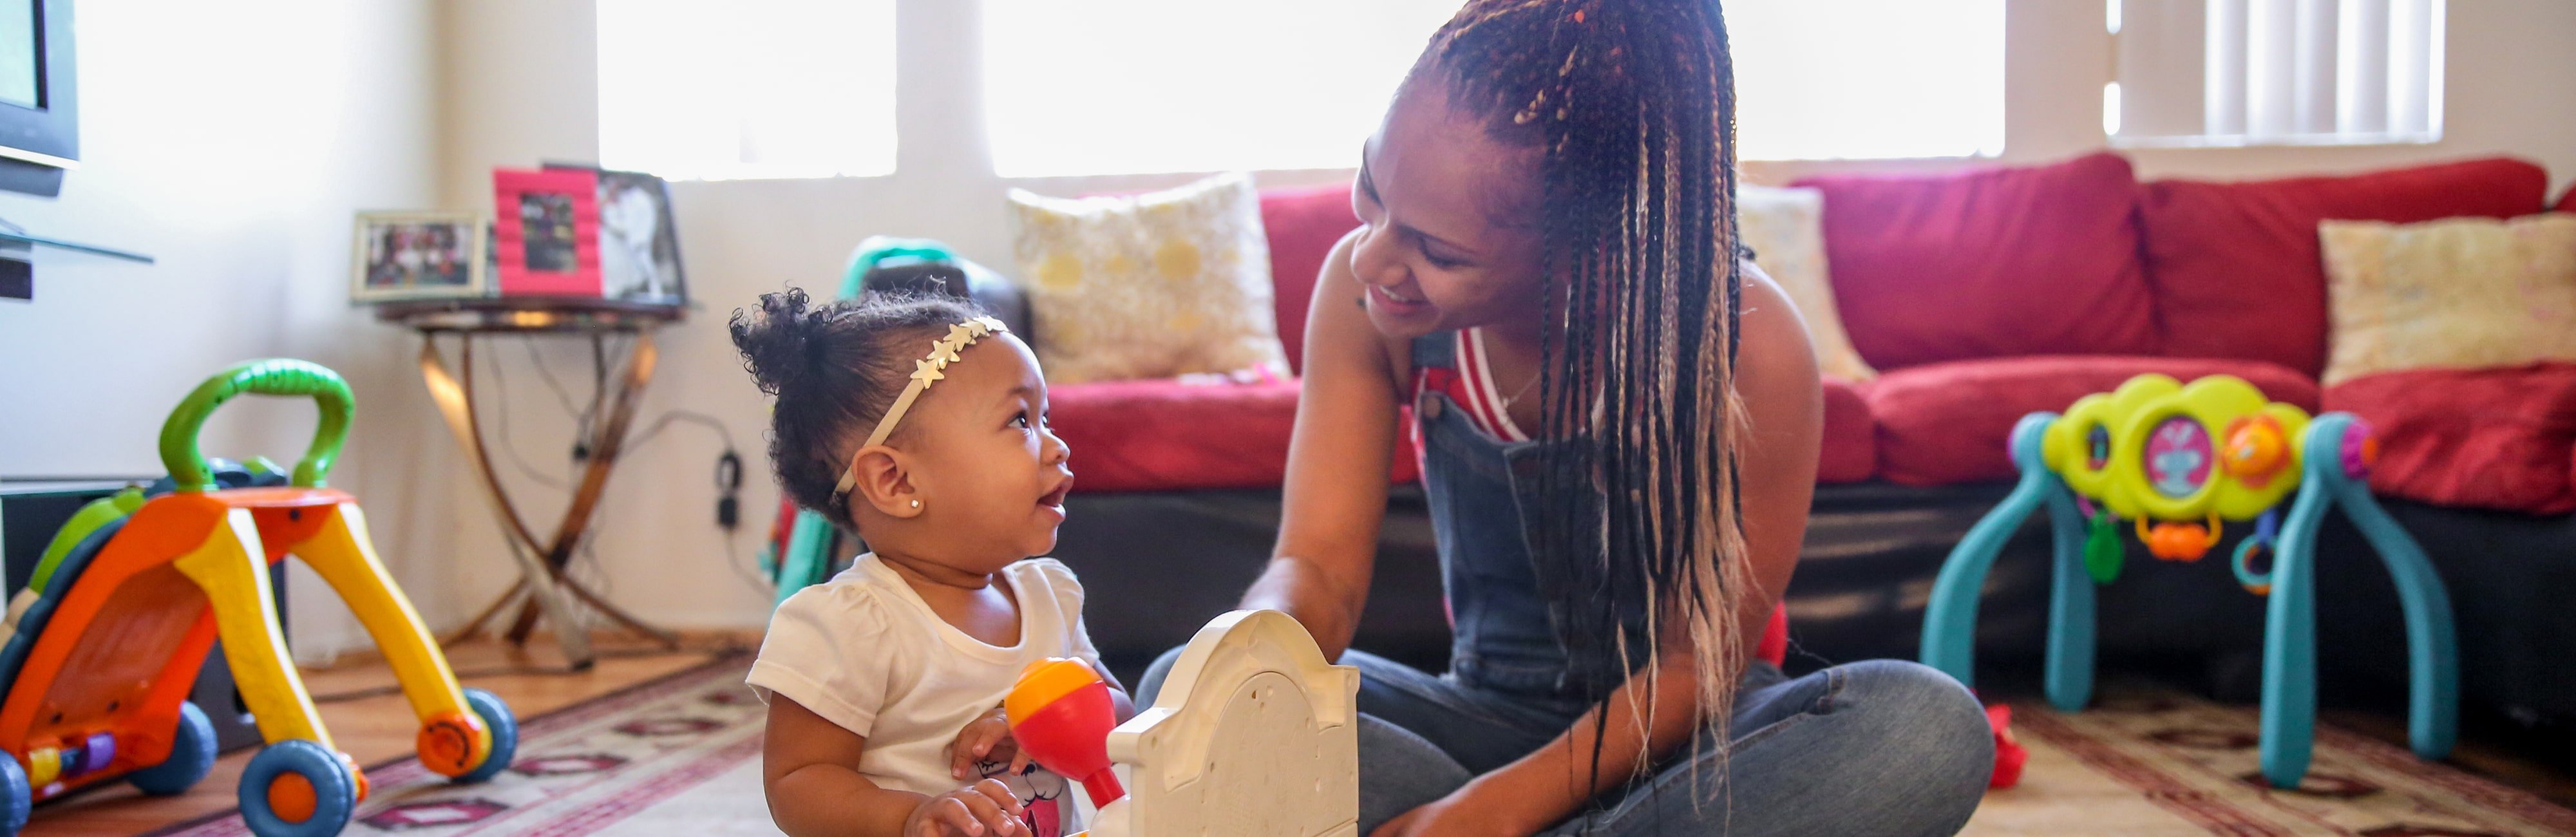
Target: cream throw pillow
(2458,292)
(1786,229)
(1148,286)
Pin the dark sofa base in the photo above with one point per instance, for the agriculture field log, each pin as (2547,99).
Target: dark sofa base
(1158,564)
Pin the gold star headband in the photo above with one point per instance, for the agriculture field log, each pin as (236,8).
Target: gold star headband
(932,367)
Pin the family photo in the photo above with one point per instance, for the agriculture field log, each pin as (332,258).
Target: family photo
(419,255)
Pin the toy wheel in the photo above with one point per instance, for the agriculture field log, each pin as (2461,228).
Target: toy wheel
(505,734)
(192,754)
(297,788)
(16,797)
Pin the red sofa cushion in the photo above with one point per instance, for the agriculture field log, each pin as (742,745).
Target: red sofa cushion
(2567,202)
(2487,438)
(2236,266)
(1165,435)
(1850,438)
(1951,422)
(1302,225)
(1990,263)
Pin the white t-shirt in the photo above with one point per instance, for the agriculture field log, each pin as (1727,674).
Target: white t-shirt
(865,652)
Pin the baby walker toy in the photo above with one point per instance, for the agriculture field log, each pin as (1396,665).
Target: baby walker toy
(105,644)
(2178,461)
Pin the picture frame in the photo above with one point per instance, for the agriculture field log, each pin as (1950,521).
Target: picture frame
(639,242)
(402,255)
(547,232)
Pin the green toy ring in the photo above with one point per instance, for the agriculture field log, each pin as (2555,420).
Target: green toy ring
(286,377)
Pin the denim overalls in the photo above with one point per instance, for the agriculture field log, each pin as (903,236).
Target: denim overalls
(1504,636)
(1878,747)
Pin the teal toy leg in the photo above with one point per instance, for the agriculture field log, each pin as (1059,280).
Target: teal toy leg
(803,564)
(1950,618)
(2290,631)
(2070,605)
(2433,705)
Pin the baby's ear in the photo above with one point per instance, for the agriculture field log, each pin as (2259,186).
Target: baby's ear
(885,483)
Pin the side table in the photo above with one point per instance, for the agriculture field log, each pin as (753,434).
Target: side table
(543,586)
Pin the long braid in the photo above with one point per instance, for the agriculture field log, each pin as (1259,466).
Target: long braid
(1632,105)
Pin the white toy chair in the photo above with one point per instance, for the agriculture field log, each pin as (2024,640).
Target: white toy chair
(1253,734)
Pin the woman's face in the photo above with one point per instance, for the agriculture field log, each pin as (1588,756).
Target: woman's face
(1450,234)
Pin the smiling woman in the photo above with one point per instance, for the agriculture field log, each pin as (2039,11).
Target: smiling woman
(1548,210)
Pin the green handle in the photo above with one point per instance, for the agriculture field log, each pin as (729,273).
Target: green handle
(877,249)
(283,376)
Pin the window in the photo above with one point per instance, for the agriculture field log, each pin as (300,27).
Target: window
(691,90)
(1867,79)
(1077,87)
(1074,87)
(2275,72)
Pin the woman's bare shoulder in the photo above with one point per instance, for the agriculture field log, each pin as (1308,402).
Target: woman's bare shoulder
(1339,312)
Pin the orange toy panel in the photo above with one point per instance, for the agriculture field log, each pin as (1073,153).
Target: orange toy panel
(130,669)
(120,635)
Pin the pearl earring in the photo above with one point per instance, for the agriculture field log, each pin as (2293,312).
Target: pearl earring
(916,504)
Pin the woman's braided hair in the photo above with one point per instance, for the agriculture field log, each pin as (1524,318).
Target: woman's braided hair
(1631,105)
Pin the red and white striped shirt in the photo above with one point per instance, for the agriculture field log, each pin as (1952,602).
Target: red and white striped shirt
(1471,385)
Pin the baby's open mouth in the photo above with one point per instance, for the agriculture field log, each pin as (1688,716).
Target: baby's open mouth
(1056,497)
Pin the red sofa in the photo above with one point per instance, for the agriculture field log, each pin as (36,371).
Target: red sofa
(1980,296)
(1985,295)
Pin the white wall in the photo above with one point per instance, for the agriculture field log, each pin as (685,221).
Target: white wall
(233,141)
(516,84)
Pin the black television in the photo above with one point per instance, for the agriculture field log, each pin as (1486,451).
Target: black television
(39,114)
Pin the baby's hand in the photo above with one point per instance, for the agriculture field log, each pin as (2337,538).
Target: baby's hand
(976,810)
(987,738)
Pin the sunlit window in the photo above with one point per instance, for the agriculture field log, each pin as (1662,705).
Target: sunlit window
(693,90)
(2276,72)
(1120,86)
(1867,79)
(1115,86)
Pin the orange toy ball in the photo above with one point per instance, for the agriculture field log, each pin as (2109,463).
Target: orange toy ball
(2256,449)
(1061,714)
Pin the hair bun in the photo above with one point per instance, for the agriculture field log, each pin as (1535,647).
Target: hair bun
(781,347)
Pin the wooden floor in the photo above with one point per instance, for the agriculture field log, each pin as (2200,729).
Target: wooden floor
(377,725)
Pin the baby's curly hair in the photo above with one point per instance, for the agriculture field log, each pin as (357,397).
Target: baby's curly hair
(834,369)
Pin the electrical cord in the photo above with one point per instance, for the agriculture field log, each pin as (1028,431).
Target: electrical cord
(562,395)
(501,390)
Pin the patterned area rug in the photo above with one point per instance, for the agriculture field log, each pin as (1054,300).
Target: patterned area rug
(2157,763)
(677,755)
(681,755)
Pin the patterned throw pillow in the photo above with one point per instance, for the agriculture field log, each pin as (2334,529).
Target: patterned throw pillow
(2459,292)
(1786,229)
(1149,286)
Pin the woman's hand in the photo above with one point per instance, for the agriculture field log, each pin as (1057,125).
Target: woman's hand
(983,809)
(987,738)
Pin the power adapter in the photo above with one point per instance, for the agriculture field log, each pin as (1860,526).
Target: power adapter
(728,484)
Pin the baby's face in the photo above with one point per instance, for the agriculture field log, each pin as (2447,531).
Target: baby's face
(992,476)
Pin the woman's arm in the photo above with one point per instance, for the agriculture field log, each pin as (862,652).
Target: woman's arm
(1776,376)
(1335,495)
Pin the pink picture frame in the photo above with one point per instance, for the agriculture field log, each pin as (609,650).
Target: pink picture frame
(547,236)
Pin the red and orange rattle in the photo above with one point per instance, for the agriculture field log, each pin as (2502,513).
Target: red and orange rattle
(1061,714)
